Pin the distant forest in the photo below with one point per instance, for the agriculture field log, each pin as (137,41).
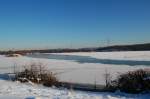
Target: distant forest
(134,47)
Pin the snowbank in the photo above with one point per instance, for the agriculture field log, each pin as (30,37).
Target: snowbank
(16,90)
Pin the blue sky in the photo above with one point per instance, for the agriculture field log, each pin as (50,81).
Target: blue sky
(37,24)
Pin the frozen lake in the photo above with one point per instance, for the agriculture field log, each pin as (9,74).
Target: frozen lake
(89,59)
(87,67)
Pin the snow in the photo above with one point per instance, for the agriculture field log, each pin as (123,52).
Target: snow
(70,71)
(123,55)
(16,90)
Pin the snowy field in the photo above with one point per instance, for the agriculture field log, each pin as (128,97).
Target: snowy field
(71,71)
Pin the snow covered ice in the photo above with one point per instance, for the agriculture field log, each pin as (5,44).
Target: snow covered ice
(73,72)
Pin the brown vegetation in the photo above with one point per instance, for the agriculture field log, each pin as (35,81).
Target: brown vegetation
(134,81)
(37,73)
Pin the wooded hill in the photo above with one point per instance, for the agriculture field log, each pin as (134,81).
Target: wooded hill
(134,47)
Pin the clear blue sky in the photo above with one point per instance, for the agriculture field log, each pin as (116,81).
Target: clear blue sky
(72,23)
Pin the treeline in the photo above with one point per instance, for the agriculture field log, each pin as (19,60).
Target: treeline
(135,47)
(23,52)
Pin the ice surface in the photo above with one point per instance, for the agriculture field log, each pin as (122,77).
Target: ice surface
(70,71)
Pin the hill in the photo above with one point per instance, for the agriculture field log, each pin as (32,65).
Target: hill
(134,47)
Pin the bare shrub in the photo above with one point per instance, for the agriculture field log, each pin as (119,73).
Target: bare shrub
(107,77)
(109,84)
(50,79)
(37,73)
(134,81)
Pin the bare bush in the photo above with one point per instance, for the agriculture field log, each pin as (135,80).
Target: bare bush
(107,77)
(134,81)
(50,79)
(37,73)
